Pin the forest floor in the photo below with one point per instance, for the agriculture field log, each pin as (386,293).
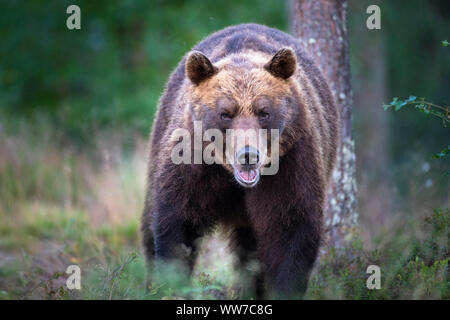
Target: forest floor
(61,207)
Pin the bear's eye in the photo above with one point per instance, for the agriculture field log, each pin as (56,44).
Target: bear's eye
(225,116)
(263,115)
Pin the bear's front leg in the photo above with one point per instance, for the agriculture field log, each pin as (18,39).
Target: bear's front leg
(286,212)
(288,230)
(287,251)
(174,237)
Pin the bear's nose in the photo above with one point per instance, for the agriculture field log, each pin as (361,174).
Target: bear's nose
(247,156)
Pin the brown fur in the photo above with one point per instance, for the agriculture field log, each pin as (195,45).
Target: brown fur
(245,73)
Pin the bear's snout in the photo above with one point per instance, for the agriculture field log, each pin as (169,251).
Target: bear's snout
(246,167)
(248,156)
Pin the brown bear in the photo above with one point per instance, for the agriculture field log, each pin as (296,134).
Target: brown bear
(247,76)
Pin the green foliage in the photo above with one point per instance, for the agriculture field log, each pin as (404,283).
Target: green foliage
(410,268)
(110,73)
(428,108)
(415,269)
(444,153)
(415,63)
(422,269)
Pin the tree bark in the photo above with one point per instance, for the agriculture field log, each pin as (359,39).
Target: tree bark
(320,25)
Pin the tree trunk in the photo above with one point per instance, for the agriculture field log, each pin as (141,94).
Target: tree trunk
(320,25)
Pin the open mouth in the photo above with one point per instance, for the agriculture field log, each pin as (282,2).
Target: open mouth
(247,178)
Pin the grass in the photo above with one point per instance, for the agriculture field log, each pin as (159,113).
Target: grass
(61,206)
(412,267)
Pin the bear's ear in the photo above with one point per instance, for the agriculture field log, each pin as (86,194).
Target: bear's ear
(282,64)
(198,67)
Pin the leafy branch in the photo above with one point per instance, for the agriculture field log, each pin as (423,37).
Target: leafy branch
(423,106)
(428,108)
(444,153)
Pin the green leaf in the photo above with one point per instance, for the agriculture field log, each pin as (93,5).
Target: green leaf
(445,43)
(399,104)
(445,152)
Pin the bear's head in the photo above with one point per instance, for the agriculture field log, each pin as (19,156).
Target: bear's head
(245,92)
